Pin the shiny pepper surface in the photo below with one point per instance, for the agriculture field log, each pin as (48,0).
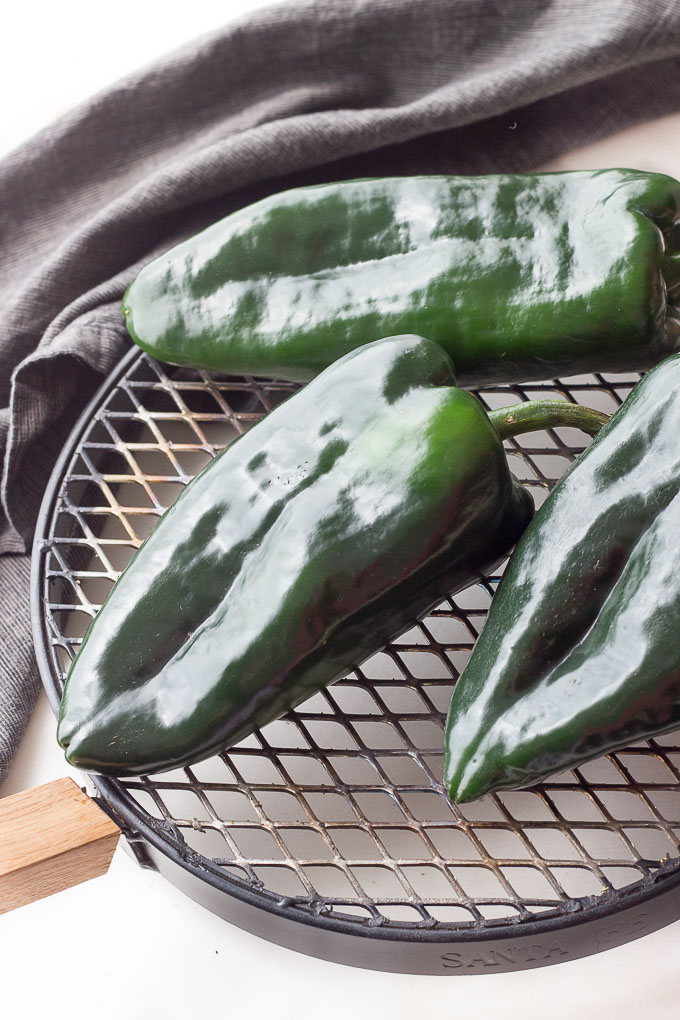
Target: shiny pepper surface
(580,651)
(315,537)
(518,277)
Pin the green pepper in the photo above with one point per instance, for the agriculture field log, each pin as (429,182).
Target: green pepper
(315,537)
(517,277)
(579,654)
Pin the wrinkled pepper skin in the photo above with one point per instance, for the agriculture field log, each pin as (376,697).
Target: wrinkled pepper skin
(517,277)
(580,654)
(332,524)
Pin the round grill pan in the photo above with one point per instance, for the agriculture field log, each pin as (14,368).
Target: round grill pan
(329,831)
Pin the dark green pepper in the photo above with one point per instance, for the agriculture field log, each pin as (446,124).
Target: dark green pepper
(579,654)
(517,277)
(318,535)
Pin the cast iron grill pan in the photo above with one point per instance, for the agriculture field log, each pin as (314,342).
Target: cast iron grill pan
(329,830)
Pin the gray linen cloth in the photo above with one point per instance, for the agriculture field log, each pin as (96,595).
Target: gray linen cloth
(309,91)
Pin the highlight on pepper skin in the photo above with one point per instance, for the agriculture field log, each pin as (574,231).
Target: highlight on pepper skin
(579,654)
(291,557)
(516,276)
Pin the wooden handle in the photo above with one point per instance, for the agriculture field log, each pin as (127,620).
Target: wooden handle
(51,837)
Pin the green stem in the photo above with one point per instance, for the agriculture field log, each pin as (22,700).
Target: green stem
(536,415)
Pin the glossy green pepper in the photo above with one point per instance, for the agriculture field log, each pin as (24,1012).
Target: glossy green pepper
(318,535)
(518,277)
(579,654)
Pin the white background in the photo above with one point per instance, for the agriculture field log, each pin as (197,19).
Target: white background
(128,944)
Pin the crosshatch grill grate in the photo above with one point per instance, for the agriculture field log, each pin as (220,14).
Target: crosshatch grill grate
(329,830)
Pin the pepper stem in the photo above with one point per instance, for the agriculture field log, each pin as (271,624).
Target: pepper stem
(536,415)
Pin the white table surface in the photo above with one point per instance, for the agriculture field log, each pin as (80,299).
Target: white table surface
(129,944)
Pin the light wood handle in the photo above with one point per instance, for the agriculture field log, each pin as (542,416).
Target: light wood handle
(51,837)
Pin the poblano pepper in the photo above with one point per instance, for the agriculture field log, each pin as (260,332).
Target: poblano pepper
(518,277)
(330,526)
(579,654)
